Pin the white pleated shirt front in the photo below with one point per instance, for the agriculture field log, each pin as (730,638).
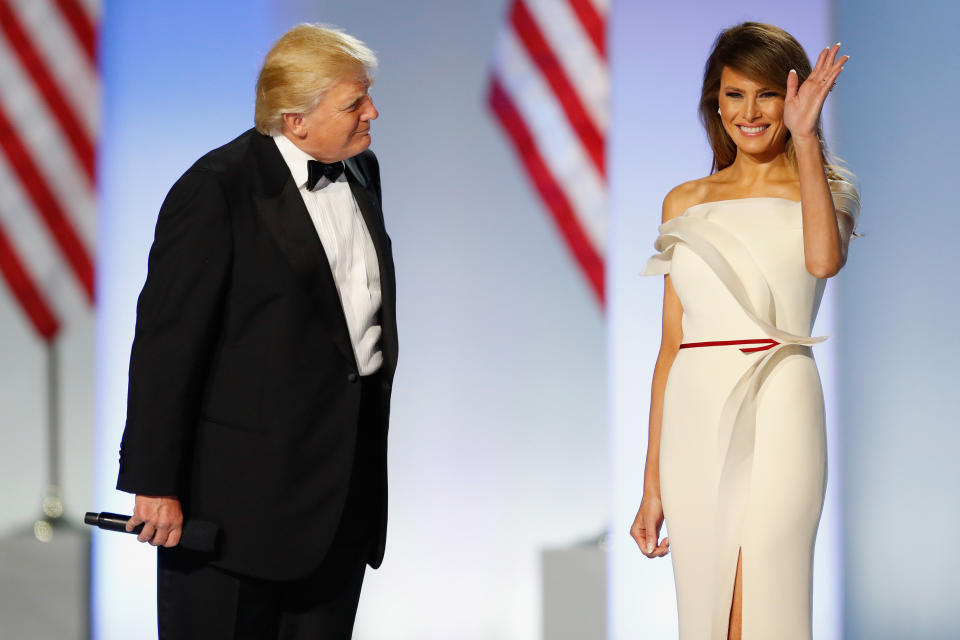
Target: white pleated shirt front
(350,252)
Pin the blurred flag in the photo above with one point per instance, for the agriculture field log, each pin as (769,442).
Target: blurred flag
(49,102)
(549,89)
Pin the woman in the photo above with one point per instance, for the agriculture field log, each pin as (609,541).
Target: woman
(736,461)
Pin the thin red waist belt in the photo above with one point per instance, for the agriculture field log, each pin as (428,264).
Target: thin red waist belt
(767,343)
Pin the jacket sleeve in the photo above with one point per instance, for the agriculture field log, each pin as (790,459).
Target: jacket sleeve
(178,322)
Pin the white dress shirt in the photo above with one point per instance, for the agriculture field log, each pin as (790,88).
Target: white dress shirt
(350,251)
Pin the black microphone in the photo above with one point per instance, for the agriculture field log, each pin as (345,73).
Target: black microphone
(197,535)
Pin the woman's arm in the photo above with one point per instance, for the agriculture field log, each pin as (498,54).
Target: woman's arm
(826,236)
(669,346)
(824,242)
(672,336)
(649,519)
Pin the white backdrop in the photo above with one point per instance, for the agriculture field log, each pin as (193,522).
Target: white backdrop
(897,126)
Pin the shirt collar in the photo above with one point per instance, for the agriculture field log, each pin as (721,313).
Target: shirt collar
(295,157)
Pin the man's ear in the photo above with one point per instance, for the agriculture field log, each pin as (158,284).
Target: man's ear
(293,122)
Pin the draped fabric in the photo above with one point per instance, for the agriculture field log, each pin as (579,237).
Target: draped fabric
(738,269)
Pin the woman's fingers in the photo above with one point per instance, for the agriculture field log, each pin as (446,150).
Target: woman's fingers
(642,542)
(641,533)
(839,67)
(830,79)
(835,63)
(793,83)
(650,524)
(826,62)
(637,532)
(833,54)
(818,67)
(819,62)
(663,549)
(646,528)
(826,77)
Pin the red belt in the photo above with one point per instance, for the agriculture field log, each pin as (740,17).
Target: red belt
(767,344)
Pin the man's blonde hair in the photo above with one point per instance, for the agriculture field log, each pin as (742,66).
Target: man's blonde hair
(305,62)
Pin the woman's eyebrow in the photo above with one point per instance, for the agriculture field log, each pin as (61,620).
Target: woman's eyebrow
(732,88)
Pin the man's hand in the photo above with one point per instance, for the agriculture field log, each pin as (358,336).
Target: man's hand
(162,520)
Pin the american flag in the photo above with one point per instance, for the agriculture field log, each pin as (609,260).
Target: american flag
(549,89)
(49,102)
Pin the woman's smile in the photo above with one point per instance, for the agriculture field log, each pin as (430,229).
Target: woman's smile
(753,129)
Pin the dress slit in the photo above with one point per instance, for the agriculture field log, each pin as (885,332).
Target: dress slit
(743,431)
(738,576)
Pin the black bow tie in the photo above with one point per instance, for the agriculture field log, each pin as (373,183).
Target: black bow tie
(317,170)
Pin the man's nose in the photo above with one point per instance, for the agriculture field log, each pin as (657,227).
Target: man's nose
(370,112)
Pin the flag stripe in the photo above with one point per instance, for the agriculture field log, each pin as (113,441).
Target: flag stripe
(47,205)
(82,26)
(49,115)
(545,60)
(587,72)
(592,23)
(25,290)
(71,127)
(37,248)
(56,44)
(554,137)
(550,92)
(545,183)
(40,135)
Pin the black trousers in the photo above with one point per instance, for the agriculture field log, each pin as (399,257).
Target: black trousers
(196,601)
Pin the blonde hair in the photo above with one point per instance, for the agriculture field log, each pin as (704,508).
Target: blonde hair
(762,52)
(305,62)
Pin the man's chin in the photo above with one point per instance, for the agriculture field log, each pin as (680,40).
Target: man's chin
(361,143)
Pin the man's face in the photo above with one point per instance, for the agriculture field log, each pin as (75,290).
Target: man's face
(339,126)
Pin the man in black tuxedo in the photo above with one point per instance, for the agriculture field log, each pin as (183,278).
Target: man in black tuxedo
(262,363)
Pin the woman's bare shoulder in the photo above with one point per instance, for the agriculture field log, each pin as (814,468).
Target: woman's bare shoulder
(684,196)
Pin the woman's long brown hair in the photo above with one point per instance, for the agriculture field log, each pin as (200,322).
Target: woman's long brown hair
(764,53)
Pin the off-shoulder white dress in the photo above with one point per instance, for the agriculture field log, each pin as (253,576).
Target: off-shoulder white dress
(743,444)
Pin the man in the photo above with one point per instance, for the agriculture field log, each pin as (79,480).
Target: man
(262,364)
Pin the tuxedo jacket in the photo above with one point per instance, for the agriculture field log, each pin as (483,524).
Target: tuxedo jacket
(244,390)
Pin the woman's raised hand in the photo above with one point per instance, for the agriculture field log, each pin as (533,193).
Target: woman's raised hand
(646,528)
(802,104)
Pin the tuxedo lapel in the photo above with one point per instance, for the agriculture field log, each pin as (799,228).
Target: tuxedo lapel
(373,218)
(281,208)
(370,210)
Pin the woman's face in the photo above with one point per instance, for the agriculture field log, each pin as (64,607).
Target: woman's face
(752,114)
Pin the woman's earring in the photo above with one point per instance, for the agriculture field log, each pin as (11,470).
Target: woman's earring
(719,113)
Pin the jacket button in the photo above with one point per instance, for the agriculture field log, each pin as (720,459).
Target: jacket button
(352,377)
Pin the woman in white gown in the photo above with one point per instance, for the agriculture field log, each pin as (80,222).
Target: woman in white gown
(736,462)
